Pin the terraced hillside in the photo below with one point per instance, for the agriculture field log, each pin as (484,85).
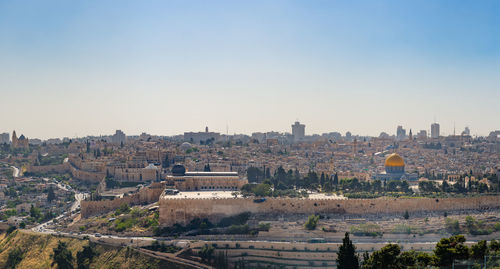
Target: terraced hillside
(36,252)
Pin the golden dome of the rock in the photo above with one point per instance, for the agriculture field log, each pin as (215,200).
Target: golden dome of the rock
(394,160)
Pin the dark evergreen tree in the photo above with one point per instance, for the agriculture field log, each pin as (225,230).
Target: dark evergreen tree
(346,257)
(366,256)
(405,187)
(254,174)
(406,215)
(62,256)
(377,185)
(336,179)
(84,257)
(51,196)
(386,258)
(445,187)
(449,249)
(35,212)
(479,250)
(280,179)
(207,168)
(297,179)
(14,257)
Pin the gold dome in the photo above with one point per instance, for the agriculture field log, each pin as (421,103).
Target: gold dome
(394,160)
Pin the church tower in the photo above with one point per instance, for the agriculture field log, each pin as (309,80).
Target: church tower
(14,139)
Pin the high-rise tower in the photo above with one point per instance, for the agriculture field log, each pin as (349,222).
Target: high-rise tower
(435,130)
(298,131)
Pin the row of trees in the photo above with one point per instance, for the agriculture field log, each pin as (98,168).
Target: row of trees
(458,187)
(292,180)
(445,254)
(284,180)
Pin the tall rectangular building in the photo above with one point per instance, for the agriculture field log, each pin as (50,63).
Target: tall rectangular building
(422,134)
(119,137)
(435,130)
(400,133)
(4,138)
(298,131)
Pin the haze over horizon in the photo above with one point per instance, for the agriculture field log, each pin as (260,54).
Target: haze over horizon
(75,69)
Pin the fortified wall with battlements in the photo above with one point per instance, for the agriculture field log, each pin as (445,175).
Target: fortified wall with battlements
(68,168)
(183,210)
(86,175)
(147,195)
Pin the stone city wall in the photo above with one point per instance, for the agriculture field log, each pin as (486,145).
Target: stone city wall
(147,195)
(88,165)
(179,210)
(56,168)
(87,176)
(68,168)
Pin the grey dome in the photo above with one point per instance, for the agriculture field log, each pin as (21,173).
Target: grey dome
(178,170)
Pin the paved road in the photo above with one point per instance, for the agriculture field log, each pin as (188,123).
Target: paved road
(79,196)
(110,239)
(43,228)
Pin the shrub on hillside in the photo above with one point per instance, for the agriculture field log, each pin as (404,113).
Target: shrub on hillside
(312,222)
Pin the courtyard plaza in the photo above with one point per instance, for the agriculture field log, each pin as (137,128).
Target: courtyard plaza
(229,194)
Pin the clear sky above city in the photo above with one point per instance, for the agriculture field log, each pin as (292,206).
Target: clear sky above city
(77,68)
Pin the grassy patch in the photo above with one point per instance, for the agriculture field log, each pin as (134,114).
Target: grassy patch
(367,229)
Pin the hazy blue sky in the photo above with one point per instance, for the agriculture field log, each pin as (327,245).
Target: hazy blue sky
(72,68)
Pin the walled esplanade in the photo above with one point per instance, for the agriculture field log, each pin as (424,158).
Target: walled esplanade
(182,210)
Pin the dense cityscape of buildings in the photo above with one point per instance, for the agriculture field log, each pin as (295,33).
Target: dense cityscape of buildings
(215,177)
(149,158)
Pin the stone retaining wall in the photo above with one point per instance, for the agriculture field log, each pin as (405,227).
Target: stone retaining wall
(144,196)
(183,210)
(55,168)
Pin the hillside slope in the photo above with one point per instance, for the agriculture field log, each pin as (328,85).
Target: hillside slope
(38,248)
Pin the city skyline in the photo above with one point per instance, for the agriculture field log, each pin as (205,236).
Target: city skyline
(249,134)
(406,132)
(165,68)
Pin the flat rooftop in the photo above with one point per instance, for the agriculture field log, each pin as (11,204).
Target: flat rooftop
(211,173)
(227,194)
(207,174)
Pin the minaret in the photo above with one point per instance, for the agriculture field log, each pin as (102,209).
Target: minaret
(411,136)
(355,144)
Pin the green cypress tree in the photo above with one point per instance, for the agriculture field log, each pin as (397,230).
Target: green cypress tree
(347,258)
(51,196)
(62,256)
